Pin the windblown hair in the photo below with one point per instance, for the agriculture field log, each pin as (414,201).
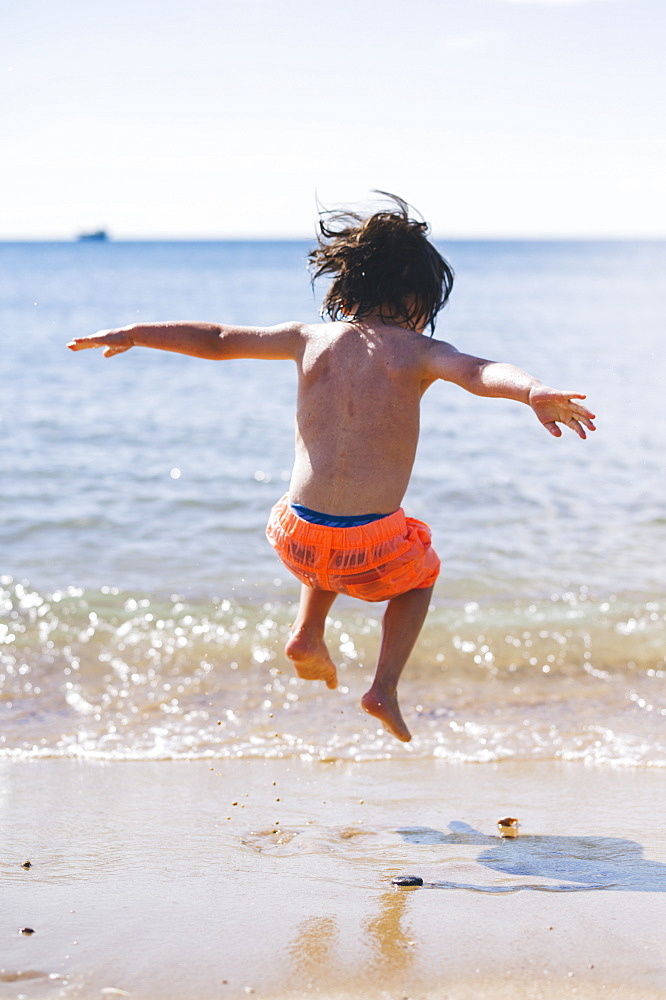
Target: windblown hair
(382,264)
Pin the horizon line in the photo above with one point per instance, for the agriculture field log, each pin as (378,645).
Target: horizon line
(291,238)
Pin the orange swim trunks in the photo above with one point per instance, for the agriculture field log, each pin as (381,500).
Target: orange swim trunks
(373,562)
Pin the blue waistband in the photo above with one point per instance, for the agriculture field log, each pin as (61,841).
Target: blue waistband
(334,520)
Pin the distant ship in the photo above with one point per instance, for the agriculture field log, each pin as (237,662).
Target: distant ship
(98,236)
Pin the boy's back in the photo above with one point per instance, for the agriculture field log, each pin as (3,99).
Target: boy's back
(357,419)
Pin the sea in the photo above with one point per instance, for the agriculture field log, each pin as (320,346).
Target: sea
(143,614)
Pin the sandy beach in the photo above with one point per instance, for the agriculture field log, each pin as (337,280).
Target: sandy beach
(194,880)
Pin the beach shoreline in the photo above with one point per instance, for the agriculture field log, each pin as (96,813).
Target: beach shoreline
(202,879)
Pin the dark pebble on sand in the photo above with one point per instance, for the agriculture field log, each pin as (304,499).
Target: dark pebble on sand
(407,880)
(26,864)
(26,930)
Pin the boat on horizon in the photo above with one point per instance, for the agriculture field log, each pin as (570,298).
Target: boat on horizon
(96,236)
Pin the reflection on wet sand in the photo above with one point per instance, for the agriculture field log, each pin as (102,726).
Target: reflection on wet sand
(313,950)
(391,942)
(318,957)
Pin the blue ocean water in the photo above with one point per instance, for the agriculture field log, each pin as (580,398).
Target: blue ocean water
(135,491)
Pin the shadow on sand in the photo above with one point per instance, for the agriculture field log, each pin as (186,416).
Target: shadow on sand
(578,864)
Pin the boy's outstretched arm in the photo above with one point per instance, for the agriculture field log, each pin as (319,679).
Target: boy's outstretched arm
(200,340)
(495,378)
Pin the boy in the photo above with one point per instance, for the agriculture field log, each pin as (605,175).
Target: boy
(341,528)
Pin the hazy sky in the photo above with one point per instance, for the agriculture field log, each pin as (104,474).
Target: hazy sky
(217,118)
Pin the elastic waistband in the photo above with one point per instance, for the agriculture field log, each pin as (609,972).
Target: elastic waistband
(335,520)
(376,531)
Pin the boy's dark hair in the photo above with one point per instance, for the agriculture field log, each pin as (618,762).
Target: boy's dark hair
(382,263)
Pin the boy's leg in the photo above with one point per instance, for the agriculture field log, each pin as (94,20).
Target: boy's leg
(403,620)
(306,647)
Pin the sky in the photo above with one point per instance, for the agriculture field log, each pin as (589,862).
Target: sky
(234,118)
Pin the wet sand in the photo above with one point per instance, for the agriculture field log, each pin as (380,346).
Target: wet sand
(219,879)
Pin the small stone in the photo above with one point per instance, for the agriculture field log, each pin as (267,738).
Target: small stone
(27,931)
(403,880)
(26,864)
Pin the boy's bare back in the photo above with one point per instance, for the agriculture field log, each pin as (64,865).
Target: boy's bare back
(357,418)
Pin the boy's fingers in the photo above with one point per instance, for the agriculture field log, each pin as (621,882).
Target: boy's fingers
(584,415)
(582,411)
(79,344)
(553,427)
(577,408)
(577,427)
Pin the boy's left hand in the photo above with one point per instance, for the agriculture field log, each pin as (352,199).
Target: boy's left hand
(553,407)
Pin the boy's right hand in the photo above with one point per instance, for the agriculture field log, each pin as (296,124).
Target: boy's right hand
(113,342)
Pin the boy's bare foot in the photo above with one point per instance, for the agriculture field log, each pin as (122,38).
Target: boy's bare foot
(311,660)
(385,708)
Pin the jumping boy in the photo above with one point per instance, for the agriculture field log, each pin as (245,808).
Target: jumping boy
(341,529)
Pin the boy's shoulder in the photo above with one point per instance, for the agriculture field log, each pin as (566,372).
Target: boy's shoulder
(365,330)
(396,348)
(382,336)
